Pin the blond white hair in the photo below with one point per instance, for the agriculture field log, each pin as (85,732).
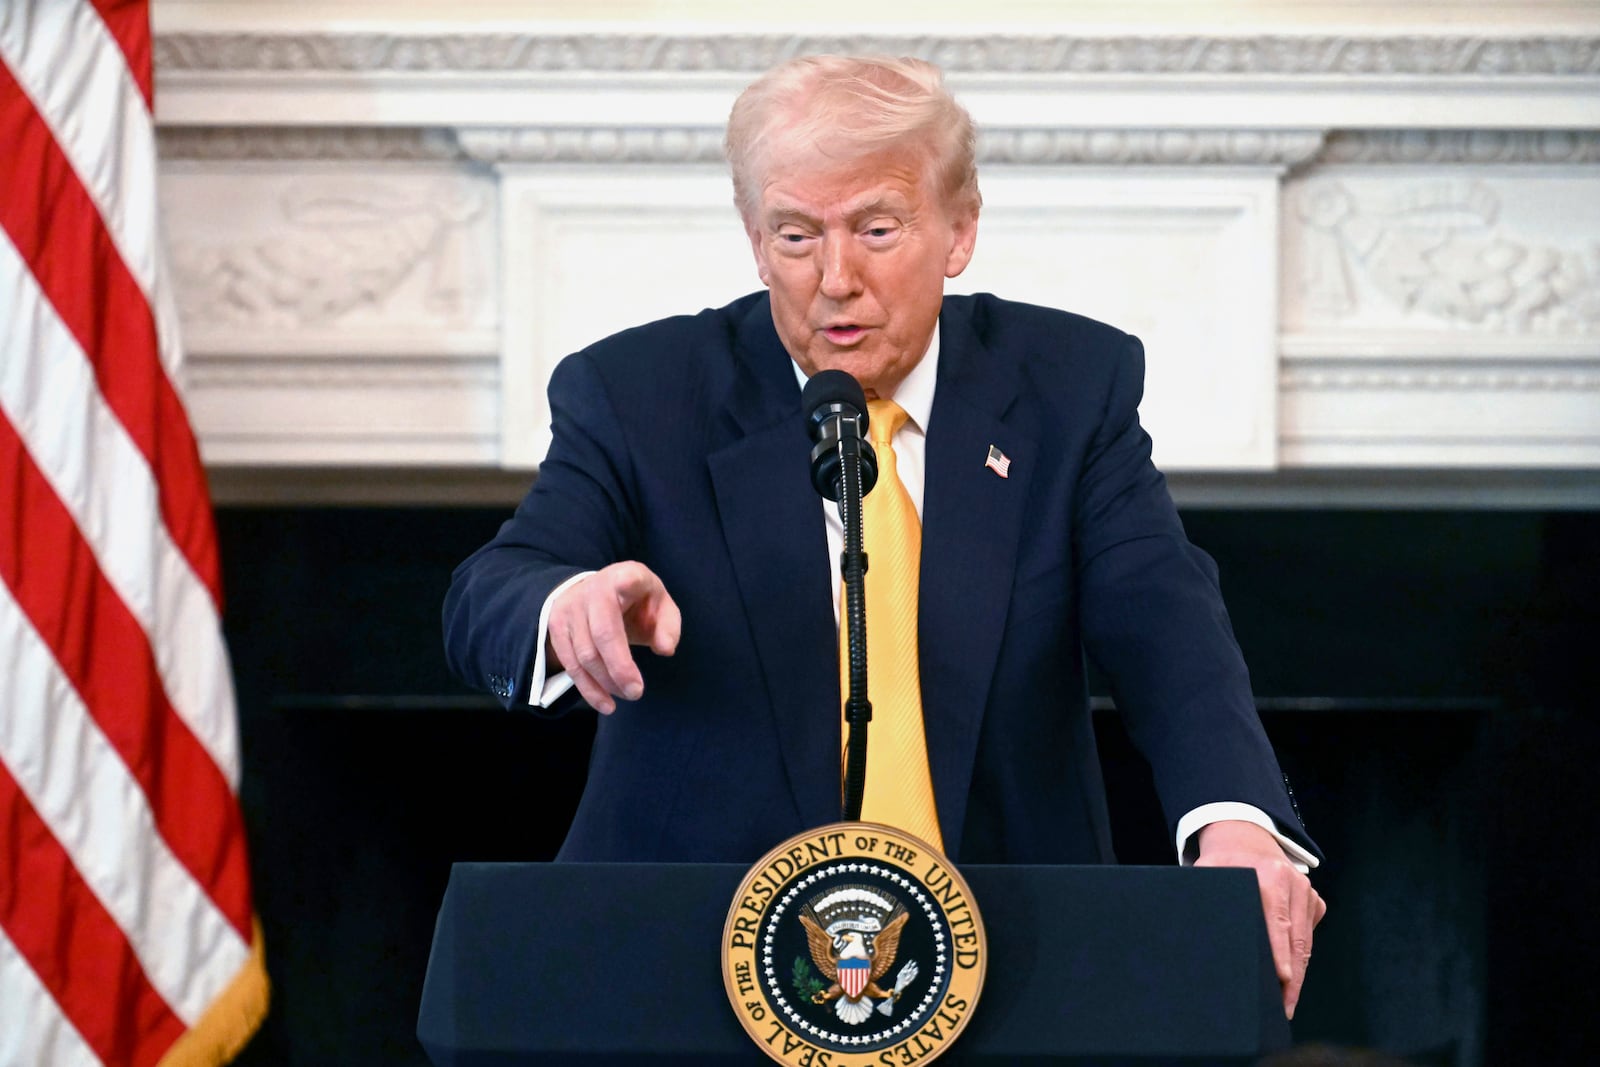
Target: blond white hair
(846,107)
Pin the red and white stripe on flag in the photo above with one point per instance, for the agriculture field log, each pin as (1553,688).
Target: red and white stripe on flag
(127,935)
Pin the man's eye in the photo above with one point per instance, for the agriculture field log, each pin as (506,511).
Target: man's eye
(880,231)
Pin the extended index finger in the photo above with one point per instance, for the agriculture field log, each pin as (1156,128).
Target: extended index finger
(632,583)
(651,615)
(664,626)
(609,633)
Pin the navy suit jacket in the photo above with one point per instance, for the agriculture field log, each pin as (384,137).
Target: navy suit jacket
(681,444)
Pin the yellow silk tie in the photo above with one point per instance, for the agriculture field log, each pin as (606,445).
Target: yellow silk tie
(899,787)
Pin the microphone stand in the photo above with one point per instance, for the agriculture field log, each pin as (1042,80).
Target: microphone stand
(853,567)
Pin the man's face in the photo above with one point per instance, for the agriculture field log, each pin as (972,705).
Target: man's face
(856,254)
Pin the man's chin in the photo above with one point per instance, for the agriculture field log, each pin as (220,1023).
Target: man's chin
(864,367)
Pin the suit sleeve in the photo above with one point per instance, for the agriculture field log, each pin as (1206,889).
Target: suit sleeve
(579,516)
(1153,620)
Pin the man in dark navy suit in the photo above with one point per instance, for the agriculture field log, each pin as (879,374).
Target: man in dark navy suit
(673,557)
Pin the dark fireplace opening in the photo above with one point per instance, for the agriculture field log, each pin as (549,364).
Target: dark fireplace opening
(1425,676)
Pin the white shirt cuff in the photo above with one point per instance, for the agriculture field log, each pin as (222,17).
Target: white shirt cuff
(542,691)
(1225,810)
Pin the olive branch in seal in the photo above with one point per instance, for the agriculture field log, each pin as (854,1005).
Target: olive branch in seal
(807,983)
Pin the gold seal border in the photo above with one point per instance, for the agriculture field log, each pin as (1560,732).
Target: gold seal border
(758,1016)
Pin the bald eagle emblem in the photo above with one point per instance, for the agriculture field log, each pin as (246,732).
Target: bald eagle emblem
(854,934)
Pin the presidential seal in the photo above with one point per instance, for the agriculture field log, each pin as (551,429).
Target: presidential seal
(853,944)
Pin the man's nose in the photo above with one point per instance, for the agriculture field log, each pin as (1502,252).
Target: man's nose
(840,270)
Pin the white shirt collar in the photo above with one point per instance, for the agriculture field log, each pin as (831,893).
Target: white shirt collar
(915,394)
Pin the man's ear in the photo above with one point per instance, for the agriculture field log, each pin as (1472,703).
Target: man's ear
(965,233)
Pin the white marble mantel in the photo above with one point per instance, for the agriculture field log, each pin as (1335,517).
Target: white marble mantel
(1347,250)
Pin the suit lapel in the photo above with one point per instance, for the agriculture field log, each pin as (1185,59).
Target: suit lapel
(972,520)
(773,525)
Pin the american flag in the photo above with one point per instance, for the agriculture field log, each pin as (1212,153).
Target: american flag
(127,935)
(998,462)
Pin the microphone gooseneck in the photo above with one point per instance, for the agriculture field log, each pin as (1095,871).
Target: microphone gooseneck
(844,468)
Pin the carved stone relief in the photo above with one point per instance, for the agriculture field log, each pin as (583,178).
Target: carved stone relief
(1413,378)
(239,143)
(1187,148)
(1446,253)
(301,251)
(1351,55)
(1478,147)
(694,144)
(1275,148)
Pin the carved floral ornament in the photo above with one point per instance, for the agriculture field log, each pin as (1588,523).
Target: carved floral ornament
(1438,249)
(366,143)
(667,144)
(694,144)
(1410,379)
(1463,146)
(337,246)
(1275,148)
(1482,56)
(597,144)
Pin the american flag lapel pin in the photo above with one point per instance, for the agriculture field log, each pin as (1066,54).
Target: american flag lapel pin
(998,462)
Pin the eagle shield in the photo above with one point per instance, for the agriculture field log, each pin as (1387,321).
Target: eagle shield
(854,975)
(854,935)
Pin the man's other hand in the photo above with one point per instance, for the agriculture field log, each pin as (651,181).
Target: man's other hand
(593,623)
(1292,907)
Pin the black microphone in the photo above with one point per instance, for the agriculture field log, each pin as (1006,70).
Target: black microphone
(843,468)
(836,418)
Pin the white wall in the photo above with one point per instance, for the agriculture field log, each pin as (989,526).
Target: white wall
(1353,236)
